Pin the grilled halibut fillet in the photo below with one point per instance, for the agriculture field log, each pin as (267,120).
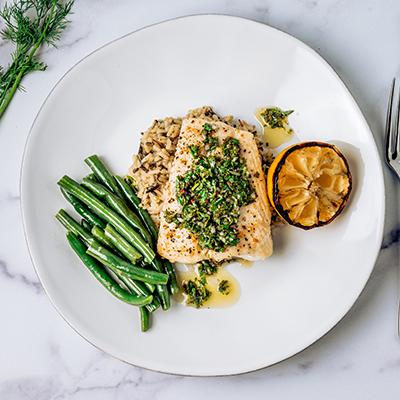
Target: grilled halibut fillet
(255,242)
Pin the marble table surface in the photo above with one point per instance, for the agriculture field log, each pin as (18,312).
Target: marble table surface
(41,357)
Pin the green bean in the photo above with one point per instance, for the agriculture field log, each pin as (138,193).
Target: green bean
(86,224)
(91,177)
(173,283)
(131,197)
(82,210)
(126,283)
(102,174)
(150,286)
(101,275)
(118,205)
(157,265)
(121,244)
(155,302)
(109,215)
(114,262)
(131,182)
(144,319)
(100,236)
(71,225)
(163,294)
(117,279)
(138,288)
(153,306)
(88,237)
(162,290)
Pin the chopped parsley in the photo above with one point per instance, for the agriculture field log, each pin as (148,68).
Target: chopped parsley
(207,128)
(275,117)
(194,150)
(196,291)
(207,268)
(224,287)
(212,192)
(210,142)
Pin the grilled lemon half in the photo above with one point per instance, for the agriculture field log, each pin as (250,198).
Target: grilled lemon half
(309,184)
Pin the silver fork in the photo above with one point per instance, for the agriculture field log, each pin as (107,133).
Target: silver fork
(392,151)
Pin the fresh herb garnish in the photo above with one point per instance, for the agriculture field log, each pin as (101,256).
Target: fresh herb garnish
(224,287)
(212,193)
(207,128)
(28,25)
(196,291)
(210,142)
(207,268)
(274,117)
(194,150)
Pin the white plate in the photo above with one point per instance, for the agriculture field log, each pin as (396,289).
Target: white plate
(236,65)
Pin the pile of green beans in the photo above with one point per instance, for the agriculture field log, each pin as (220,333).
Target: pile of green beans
(116,240)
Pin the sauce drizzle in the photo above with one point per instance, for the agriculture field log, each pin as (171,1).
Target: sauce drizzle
(274,137)
(187,272)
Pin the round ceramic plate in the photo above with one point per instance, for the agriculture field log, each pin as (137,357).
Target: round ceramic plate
(103,103)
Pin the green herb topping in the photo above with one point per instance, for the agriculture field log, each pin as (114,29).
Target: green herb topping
(224,287)
(196,291)
(212,192)
(275,117)
(207,268)
(207,127)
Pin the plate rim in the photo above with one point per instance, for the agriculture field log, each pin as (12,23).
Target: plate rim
(381,190)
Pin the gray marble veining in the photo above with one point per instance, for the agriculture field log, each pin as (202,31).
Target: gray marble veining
(392,238)
(5,273)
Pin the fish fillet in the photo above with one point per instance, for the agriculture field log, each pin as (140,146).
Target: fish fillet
(255,242)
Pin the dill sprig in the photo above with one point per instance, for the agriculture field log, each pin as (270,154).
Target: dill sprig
(29,24)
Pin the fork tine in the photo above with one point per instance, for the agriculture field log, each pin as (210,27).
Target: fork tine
(388,129)
(396,132)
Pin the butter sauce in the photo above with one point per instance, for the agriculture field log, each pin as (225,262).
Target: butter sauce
(186,272)
(274,137)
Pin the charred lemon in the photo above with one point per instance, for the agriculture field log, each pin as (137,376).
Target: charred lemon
(309,184)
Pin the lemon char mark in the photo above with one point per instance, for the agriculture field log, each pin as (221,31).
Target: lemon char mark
(273,181)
